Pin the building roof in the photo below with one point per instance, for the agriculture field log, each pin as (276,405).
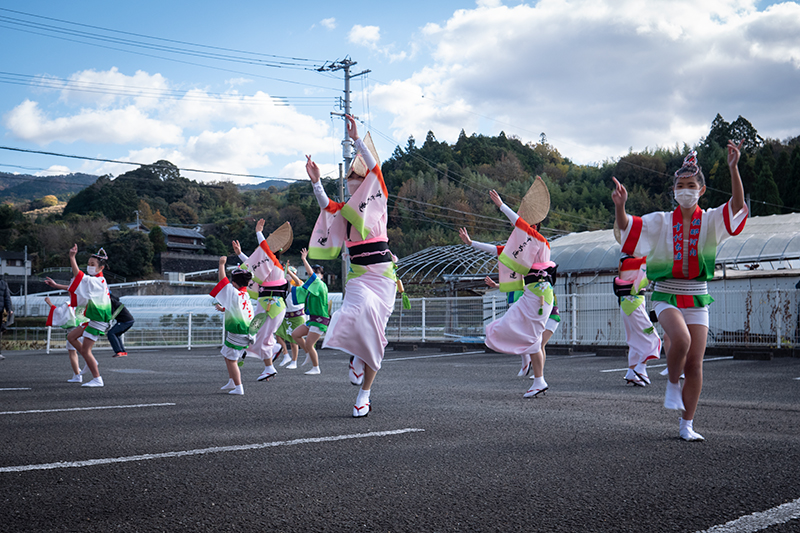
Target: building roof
(766,243)
(130,226)
(12,255)
(182,232)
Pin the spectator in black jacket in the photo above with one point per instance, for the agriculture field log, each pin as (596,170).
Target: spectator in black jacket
(5,305)
(124,322)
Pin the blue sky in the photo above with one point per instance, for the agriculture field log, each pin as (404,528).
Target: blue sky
(598,77)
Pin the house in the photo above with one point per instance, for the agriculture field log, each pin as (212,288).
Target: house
(13,264)
(183,239)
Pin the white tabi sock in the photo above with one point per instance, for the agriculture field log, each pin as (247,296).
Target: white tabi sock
(271,369)
(363,397)
(539,383)
(641,368)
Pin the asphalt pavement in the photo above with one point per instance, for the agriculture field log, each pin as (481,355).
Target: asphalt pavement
(450,445)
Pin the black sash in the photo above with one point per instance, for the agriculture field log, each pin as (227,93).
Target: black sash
(549,275)
(379,253)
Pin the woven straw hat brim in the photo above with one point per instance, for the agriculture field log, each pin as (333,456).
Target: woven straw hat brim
(536,203)
(359,166)
(281,239)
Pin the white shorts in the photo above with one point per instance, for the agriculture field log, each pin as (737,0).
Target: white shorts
(691,315)
(231,354)
(90,336)
(315,329)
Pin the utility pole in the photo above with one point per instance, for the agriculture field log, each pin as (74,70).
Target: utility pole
(347,143)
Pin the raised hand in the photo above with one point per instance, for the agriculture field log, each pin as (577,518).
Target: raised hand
(462,232)
(223,259)
(304,254)
(260,225)
(620,194)
(734,153)
(312,170)
(352,130)
(237,249)
(495,198)
(73,251)
(490,282)
(50,282)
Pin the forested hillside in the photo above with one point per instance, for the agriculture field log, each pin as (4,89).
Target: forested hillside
(433,189)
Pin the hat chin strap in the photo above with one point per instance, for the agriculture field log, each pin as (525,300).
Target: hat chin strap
(353,183)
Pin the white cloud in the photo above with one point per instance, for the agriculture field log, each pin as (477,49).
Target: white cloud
(54,170)
(329,23)
(365,35)
(111,87)
(228,132)
(601,76)
(103,126)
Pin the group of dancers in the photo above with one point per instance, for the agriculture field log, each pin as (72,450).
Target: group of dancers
(265,303)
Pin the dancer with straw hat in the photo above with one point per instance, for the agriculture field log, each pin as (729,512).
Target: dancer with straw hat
(358,327)
(268,287)
(524,264)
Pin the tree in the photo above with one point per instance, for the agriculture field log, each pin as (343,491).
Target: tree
(214,246)
(131,255)
(158,240)
(183,212)
(49,200)
(765,199)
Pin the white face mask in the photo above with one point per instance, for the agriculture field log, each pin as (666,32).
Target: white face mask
(91,270)
(686,198)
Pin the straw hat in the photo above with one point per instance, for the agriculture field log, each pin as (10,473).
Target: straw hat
(536,203)
(359,166)
(281,239)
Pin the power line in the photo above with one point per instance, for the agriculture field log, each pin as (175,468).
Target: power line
(49,82)
(275,62)
(133,163)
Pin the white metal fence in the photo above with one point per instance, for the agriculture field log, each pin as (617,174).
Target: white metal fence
(737,318)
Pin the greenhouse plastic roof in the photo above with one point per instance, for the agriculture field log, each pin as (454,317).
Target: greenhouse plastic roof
(772,242)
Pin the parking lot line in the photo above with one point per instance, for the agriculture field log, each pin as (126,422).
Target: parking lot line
(32,411)
(665,364)
(760,521)
(202,451)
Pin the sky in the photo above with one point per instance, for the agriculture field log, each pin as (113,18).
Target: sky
(235,88)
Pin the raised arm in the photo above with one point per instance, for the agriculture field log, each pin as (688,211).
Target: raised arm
(507,211)
(51,283)
(237,249)
(737,190)
(260,230)
(482,246)
(304,256)
(619,197)
(314,174)
(352,131)
(72,261)
(221,274)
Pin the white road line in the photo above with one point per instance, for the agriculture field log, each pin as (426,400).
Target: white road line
(202,451)
(664,364)
(759,521)
(797,379)
(85,408)
(17,388)
(432,356)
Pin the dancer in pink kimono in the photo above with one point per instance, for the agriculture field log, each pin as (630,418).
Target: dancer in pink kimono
(358,327)
(524,264)
(681,249)
(269,288)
